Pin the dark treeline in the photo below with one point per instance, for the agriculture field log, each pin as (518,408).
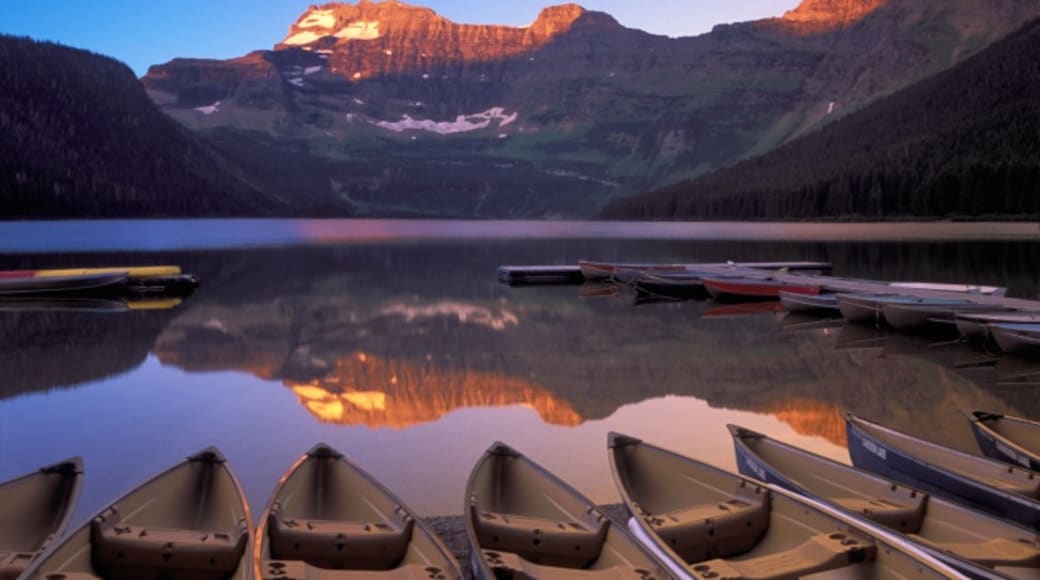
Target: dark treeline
(963,144)
(79,137)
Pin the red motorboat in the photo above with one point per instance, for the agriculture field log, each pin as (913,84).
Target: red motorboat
(749,288)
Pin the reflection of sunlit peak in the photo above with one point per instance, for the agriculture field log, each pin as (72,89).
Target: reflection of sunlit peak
(362,357)
(402,393)
(464,313)
(809,417)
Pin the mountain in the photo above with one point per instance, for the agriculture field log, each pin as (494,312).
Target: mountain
(382,108)
(80,138)
(965,143)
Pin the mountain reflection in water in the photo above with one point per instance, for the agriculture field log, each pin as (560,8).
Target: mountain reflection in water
(406,354)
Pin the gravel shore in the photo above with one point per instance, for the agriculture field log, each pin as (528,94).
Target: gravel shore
(452,530)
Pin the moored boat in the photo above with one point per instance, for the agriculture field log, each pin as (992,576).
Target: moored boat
(959,288)
(869,308)
(524,522)
(328,518)
(748,288)
(795,302)
(710,523)
(81,284)
(1016,338)
(927,313)
(189,522)
(34,511)
(129,271)
(977,544)
(1010,439)
(993,486)
(974,325)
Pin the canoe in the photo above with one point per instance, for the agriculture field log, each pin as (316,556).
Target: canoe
(711,523)
(960,288)
(329,519)
(82,304)
(925,314)
(975,543)
(754,289)
(180,284)
(62,285)
(989,485)
(523,522)
(189,522)
(794,302)
(605,270)
(1016,338)
(129,271)
(869,307)
(1006,438)
(34,511)
(973,325)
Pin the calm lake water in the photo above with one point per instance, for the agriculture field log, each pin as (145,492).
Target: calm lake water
(394,342)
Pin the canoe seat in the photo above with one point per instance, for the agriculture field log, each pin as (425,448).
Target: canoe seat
(1019,552)
(572,544)
(297,570)
(514,567)
(12,563)
(338,544)
(905,514)
(817,554)
(123,551)
(715,530)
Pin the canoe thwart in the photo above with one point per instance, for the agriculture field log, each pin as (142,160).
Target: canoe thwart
(713,530)
(12,563)
(574,544)
(338,544)
(125,551)
(1019,552)
(819,553)
(904,511)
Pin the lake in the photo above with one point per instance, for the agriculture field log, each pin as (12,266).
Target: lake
(394,342)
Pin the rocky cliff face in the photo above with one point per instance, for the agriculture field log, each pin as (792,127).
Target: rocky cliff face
(395,110)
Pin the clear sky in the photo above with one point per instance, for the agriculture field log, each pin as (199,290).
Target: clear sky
(146,32)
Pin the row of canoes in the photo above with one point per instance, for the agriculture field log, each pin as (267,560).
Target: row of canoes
(132,280)
(804,516)
(906,306)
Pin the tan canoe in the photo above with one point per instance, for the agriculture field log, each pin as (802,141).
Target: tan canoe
(1011,439)
(34,510)
(525,523)
(328,519)
(963,538)
(716,524)
(190,522)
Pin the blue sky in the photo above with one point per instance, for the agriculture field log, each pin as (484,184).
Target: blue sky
(145,32)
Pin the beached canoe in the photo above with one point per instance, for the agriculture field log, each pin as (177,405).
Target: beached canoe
(987,484)
(330,519)
(1016,338)
(927,313)
(523,522)
(34,511)
(747,288)
(190,522)
(974,542)
(710,523)
(90,283)
(1006,438)
(975,325)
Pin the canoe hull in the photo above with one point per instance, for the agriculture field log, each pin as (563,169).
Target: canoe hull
(754,289)
(860,309)
(1014,341)
(994,445)
(869,453)
(924,316)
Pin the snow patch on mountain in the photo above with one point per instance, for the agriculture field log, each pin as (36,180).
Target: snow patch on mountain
(209,109)
(318,19)
(360,30)
(301,38)
(461,124)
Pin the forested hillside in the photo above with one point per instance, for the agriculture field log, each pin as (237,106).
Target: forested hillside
(80,138)
(963,144)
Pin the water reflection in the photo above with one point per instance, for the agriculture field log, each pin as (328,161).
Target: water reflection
(407,355)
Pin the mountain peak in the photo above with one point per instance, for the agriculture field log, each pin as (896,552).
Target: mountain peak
(830,14)
(342,22)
